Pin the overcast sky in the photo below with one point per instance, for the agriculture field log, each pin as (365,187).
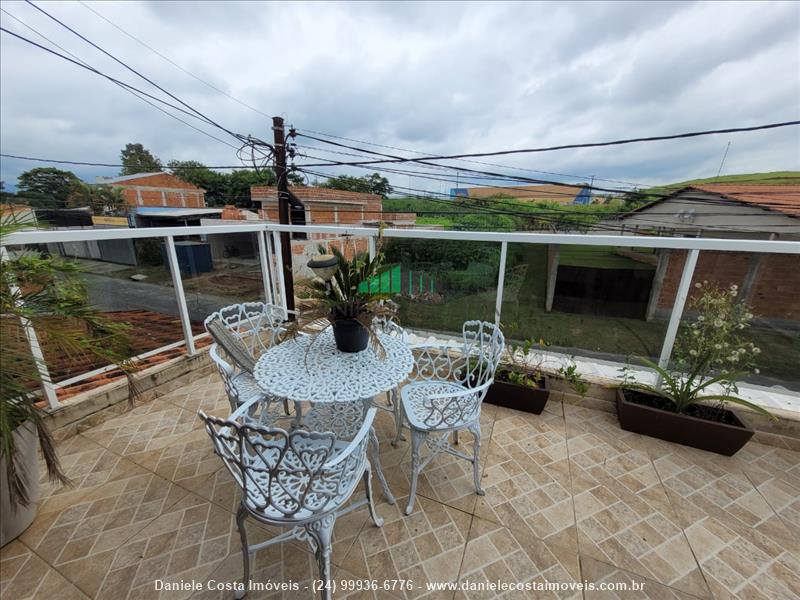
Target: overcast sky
(434,77)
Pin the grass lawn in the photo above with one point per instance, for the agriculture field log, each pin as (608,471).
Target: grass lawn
(601,257)
(614,338)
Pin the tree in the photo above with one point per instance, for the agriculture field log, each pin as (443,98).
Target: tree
(222,188)
(135,158)
(368,184)
(47,186)
(102,199)
(48,293)
(4,195)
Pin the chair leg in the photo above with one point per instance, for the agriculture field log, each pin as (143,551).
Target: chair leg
(286,410)
(475,429)
(241,515)
(321,532)
(417,438)
(455,437)
(375,459)
(397,409)
(370,497)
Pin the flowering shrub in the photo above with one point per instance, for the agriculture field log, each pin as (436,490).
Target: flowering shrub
(715,339)
(708,350)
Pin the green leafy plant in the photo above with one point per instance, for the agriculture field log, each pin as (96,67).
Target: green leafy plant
(344,297)
(521,367)
(707,350)
(47,294)
(569,373)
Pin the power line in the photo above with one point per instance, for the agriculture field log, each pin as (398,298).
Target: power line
(536,208)
(170,61)
(564,218)
(99,164)
(109,78)
(524,179)
(477,162)
(620,142)
(126,87)
(135,72)
(696,200)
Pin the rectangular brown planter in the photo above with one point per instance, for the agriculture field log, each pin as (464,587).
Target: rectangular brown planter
(517,397)
(711,436)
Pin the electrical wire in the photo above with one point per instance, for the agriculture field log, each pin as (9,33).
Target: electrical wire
(108,77)
(170,61)
(620,142)
(137,73)
(130,89)
(478,162)
(524,179)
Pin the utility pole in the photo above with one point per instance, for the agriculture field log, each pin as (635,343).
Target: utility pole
(283,211)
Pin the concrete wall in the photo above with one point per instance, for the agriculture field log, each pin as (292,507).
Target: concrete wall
(757,222)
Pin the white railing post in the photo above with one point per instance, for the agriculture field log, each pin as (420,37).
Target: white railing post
(263,258)
(276,242)
(371,240)
(501,280)
(677,309)
(177,282)
(48,389)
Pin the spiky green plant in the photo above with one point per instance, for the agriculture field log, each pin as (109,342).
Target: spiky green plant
(344,297)
(710,349)
(683,391)
(48,294)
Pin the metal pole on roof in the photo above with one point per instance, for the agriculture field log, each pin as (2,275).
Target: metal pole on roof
(283,213)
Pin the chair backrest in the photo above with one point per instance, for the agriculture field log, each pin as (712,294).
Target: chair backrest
(484,344)
(245,331)
(287,475)
(226,373)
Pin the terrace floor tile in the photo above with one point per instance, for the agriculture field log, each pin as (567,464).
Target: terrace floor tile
(25,576)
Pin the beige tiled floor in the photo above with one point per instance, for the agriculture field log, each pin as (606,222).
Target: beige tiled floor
(570,498)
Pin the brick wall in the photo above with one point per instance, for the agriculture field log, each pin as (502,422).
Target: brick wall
(775,293)
(162,190)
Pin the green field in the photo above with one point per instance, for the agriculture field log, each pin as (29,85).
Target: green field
(523,315)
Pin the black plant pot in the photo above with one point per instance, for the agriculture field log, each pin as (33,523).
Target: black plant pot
(712,436)
(517,397)
(350,335)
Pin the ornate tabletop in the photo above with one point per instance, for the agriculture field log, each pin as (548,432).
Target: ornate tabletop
(311,368)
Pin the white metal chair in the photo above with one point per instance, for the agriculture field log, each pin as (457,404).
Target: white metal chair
(445,395)
(299,480)
(242,332)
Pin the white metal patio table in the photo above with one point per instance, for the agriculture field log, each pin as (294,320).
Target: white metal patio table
(311,368)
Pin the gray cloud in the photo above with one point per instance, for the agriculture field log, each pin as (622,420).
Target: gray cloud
(438,77)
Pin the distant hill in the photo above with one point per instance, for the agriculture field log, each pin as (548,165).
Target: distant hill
(769,178)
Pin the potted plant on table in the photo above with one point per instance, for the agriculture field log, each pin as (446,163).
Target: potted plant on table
(690,405)
(343,296)
(47,295)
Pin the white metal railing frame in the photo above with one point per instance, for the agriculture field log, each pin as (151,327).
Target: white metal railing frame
(270,258)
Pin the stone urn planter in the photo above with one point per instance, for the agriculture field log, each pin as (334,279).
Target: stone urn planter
(14,520)
(711,429)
